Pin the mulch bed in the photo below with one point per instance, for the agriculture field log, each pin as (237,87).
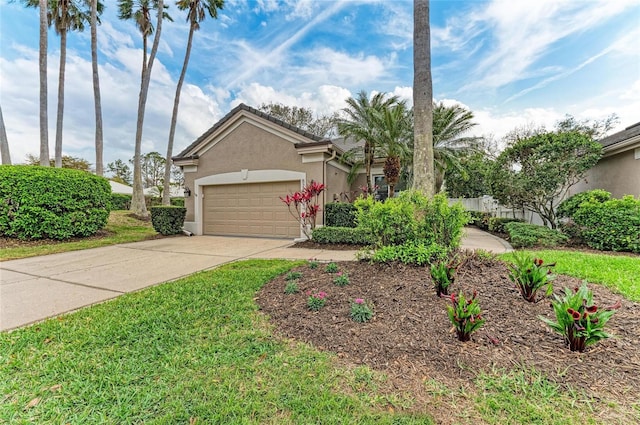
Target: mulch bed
(411,339)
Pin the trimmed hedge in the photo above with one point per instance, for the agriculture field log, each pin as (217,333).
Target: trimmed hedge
(340,214)
(168,220)
(613,225)
(346,235)
(120,201)
(525,235)
(496,224)
(57,203)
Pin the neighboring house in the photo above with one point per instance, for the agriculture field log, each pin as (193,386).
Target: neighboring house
(618,171)
(236,172)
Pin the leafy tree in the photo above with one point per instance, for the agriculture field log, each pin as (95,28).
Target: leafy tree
(140,12)
(67,161)
(469,179)
(323,125)
(196,12)
(152,168)
(120,170)
(423,158)
(4,143)
(596,129)
(535,173)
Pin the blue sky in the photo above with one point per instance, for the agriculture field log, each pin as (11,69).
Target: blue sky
(513,63)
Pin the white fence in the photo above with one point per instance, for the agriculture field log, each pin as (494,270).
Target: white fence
(487,204)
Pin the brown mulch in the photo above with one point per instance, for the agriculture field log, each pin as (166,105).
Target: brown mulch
(411,340)
(308,244)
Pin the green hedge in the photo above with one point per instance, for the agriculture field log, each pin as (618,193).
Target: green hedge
(120,201)
(168,220)
(418,254)
(525,235)
(613,225)
(496,224)
(57,203)
(340,214)
(569,206)
(346,235)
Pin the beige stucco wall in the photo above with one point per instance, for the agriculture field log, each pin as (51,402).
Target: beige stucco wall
(337,184)
(618,174)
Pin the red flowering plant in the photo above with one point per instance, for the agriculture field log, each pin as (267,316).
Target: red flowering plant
(578,319)
(304,206)
(465,315)
(530,275)
(316,300)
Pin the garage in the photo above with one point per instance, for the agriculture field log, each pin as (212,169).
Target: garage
(249,209)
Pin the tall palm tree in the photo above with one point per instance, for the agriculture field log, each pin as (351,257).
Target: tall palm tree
(423,161)
(4,143)
(95,9)
(360,125)
(196,12)
(44,120)
(140,12)
(394,134)
(450,123)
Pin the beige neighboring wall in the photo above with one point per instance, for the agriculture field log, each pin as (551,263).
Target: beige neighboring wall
(336,181)
(618,174)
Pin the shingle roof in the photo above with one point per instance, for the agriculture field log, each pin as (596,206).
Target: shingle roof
(243,107)
(621,136)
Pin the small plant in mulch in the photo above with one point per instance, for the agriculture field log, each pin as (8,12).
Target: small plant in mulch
(313,263)
(316,300)
(341,279)
(331,268)
(443,275)
(361,311)
(291,288)
(578,319)
(465,315)
(530,275)
(293,276)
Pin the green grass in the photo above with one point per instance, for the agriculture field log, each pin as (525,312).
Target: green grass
(195,349)
(121,229)
(619,273)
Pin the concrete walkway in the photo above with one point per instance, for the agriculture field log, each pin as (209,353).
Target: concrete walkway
(33,289)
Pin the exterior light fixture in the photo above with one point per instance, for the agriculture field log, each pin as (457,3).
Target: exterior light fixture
(187,192)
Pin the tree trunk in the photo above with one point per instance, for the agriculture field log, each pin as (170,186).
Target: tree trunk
(44,124)
(166,192)
(4,143)
(423,164)
(137,200)
(96,88)
(59,117)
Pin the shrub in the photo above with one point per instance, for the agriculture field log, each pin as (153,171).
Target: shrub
(410,253)
(528,235)
(360,311)
(443,222)
(177,202)
(578,319)
(569,206)
(612,225)
(57,203)
(340,214)
(391,222)
(168,220)
(496,224)
(530,275)
(346,235)
(120,201)
(465,315)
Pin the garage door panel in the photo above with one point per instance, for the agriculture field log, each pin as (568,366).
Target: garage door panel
(252,209)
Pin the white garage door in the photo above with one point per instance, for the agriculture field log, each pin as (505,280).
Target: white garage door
(250,209)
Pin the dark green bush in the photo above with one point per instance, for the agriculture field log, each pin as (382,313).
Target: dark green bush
(120,201)
(340,214)
(346,235)
(177,202)
(524,235)
(613,225)
(496,224)
(58,203)
(419,254)
(168,220)
(569,206)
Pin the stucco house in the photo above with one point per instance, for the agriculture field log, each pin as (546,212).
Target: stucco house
(237,170)
(618,171)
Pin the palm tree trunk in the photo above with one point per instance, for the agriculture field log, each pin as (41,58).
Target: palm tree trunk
(4,143)
(44,124)
(137,200)
(96,88)
(63,60)
(166,192)
(423,164)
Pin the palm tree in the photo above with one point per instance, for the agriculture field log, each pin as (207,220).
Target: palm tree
(95,9)
(140,12)
(394,134)
(4,143)
(44,120)
(360,125)
(423,161)
(449,143)
(196,12)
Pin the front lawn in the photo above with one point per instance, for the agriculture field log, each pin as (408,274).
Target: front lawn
(121,228)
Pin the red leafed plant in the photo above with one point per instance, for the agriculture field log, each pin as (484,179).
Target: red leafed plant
(304,206)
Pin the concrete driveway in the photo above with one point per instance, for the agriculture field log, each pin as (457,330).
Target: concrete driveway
(35,288)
